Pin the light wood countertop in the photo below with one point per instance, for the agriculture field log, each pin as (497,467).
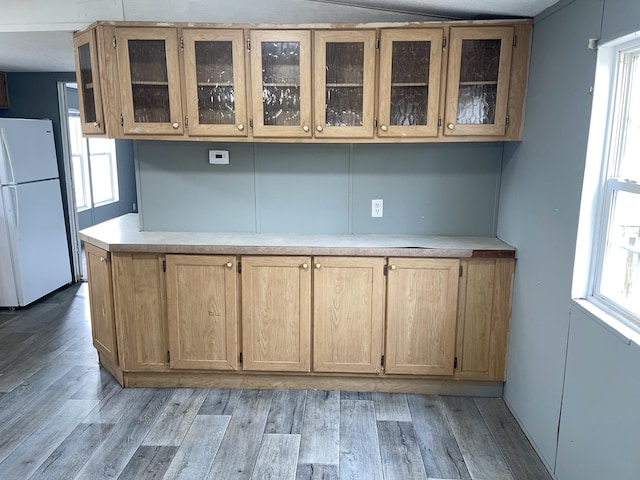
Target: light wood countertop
(122,234)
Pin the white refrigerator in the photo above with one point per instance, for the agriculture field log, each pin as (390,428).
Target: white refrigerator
(34,252)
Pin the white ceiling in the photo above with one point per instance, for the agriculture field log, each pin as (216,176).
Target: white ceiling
(36,35)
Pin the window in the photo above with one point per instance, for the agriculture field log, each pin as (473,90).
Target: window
(94,166)
(615,273)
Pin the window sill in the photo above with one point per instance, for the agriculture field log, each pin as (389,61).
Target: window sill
(624,332)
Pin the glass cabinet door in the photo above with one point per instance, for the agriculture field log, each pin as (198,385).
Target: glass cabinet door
(478,80)
(89,95)
(215,82)
(149,80)
(281,83)
(410,65)
(344,83)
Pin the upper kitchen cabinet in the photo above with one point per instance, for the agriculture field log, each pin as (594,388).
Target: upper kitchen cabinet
(344,83)
(149,77)
(344,87)
(409,88)
(88,79)
(478,80)
(215,82)
(281,83)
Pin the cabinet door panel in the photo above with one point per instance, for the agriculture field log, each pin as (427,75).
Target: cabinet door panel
(101,302)
(410,66)
(202,311)
(89,93)
(348,314)
(484,311)
(281,83)
(478,80)
(344,70)
(421,316)
(276,313)
(150,80)
(215,82)
(141,312)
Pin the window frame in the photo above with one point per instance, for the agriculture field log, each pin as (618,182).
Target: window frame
(614,99)
(86,167)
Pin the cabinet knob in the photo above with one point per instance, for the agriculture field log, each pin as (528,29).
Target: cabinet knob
(96,124)
(319,128)
(175,125)
(102,259)
(318,265)
(393,267)
(229,264)
(304,266)
(240,127)
(384,128)
(450,126)
(305,128)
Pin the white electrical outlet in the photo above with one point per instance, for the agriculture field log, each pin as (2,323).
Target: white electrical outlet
(376,208)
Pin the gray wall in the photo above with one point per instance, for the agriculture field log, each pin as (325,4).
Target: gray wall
(443,189)
(539,208)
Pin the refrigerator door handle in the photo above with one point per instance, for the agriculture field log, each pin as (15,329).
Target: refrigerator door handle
(7,167)
(16,207)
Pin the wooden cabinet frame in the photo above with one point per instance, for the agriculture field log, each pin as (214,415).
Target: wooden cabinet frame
(202,313)
(303,129)
(387,37)
(422,296)
(170,37)
(236,37)
(321,38)
(276,313)
(457,35)
(94,90)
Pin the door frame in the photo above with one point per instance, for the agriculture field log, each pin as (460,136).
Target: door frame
(76,249)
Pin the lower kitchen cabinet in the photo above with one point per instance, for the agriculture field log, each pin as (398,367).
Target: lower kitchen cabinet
(422,297)
(276,313)
(484,311)
(202,311)
(318,322)
(140,303)
(348,314)
(103,328)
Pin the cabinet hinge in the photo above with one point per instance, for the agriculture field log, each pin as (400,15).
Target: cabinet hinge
(515,41)
(121,120)
(168,356)
(455,362)
(460,271)
(444,42)
(385,270)
(115,42)
(164,265)
(375,123)
(251,123)
(186,121)
(181,43)
(240,359)
(248,44)
(239,267)
(506,122)
(377,44)
(382,361)
(439,122)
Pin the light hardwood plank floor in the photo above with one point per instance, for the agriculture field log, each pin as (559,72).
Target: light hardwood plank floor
(63,417)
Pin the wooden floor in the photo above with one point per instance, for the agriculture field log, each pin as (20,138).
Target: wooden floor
(62,417)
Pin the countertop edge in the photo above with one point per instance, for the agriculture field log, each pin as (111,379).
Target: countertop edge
(121,235)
